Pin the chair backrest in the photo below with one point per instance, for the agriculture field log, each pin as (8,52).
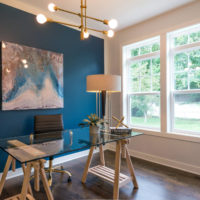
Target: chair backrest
(48,123)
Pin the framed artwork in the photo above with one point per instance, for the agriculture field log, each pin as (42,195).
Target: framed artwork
(31,78)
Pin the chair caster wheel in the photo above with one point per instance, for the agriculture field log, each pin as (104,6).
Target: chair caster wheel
(69,179)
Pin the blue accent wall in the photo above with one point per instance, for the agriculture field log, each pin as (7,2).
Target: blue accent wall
(81,58)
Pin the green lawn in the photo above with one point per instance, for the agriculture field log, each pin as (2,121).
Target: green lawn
(180,123)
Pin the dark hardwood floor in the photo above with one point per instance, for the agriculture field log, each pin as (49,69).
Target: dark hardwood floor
(156,182)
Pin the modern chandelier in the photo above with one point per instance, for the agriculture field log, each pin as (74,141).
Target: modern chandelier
(83,15)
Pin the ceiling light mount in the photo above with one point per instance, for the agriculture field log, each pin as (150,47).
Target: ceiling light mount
(83,15)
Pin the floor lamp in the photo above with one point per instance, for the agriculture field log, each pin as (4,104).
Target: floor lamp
(103,85)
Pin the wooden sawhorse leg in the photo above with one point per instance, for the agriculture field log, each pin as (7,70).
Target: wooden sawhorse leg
(12,161)
(36,166)
(117,170)
(117,167)
(26,182)
(85,173)
(126,155)
(45,181)
(102,160)
(40,165)
(29,185)
(131,169)
(5,172)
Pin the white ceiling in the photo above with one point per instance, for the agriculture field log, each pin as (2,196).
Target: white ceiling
(127,12)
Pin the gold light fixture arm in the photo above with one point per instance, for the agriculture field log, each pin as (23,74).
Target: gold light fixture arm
(85,14)
(67,11)
(63,23)
(82,25)
(77,26)
(105,21)
(92,29)
(100,31)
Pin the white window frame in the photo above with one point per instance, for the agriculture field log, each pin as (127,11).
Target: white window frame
(128,60)
(171,53)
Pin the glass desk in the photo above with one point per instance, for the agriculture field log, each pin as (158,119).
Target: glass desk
(33,149)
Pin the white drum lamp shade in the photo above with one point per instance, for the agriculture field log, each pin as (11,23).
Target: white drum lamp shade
(103,82)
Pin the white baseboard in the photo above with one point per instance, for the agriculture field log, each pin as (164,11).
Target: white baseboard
(56,161)
(162,161)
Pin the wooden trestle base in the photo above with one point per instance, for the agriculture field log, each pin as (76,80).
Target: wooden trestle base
(113,176)
(26,192)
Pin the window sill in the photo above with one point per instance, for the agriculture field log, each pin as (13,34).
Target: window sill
(170,135)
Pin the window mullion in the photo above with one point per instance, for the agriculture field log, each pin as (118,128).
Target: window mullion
(193,91)
(151,76)
(187,47)
(140,79)
(163,86)
(188,74)
(144,93)
(143,57)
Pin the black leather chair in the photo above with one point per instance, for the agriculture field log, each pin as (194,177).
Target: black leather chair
(50,123)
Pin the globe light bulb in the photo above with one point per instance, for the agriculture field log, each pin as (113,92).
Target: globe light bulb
(3,45)
(113,23)
(24,61)
(8,70)
(25,66)
(52,7)
(41,19)
(110,33)
(86,34)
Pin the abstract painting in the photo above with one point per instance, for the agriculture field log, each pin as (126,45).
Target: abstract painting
(31,78)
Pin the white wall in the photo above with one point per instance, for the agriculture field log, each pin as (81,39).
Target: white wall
(176,151)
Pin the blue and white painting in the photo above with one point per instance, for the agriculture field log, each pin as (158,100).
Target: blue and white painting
(31,78)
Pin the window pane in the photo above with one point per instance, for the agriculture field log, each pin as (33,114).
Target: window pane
(135,52)
(135,69)
(144,76)
(156,47)
(187,112)
(146,84)
(181,81)
(145,110)
(180,40)
(156,66)
(134,80)
(134,85)
(145,49)
(145,66)
(194,59)
(194,37)
(156,83)
(180,62)
(195,80)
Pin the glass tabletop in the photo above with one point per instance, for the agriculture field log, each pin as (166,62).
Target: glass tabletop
(37,146)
